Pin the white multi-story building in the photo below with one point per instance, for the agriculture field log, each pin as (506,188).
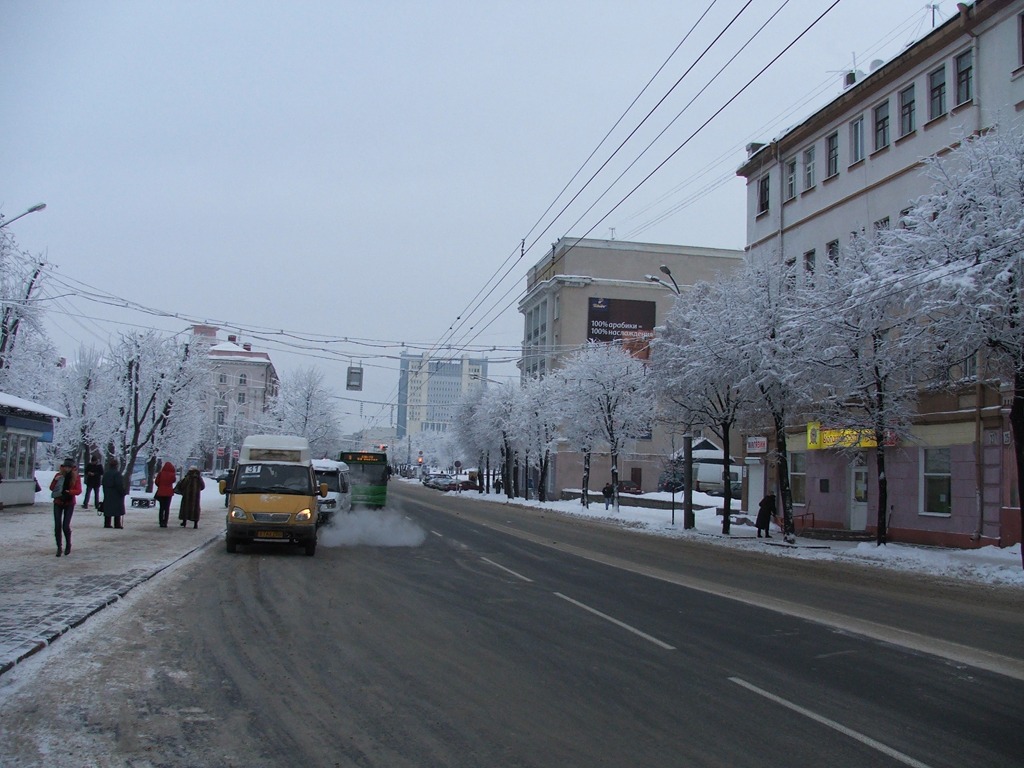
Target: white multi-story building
(429,388)
(854,166)
(244,383)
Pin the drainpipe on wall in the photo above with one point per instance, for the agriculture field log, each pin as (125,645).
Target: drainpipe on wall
(979,454)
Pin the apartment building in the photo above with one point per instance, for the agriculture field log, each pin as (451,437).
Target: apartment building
(244,383)
(854,167)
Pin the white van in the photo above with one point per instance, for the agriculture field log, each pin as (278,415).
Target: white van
(335,475)
(707,474)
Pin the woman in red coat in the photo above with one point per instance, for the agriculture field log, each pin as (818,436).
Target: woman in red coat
(64,488)
(165,480)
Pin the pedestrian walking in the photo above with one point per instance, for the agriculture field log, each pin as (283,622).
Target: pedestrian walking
(93,480)
(227,486)
(497,485)
(608,491)
(766,510)
(190,487)
(64,489)
(165,480)
(114,491)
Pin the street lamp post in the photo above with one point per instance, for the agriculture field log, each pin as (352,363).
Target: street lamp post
(689,521)
(33,209)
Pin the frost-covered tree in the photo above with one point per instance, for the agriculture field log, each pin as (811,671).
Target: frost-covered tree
(303,406)
(538,417)
(609,399)
(867,346)
(473,433)
(772,356)
(155,387)
(964,244)
(700,367)
(91,415)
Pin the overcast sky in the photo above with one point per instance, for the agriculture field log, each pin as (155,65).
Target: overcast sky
(306,173)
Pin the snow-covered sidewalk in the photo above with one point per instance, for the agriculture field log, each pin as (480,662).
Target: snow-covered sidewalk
(989,565)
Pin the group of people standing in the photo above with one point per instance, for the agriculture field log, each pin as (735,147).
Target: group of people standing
(66,486)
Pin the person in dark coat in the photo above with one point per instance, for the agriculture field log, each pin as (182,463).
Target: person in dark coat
(227,486)
(766,510)
(190,488)
(608,491)
(114,491)
(165,480)
(64,489)
(93,480)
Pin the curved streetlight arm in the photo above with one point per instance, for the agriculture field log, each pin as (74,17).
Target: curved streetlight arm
(666,271)
(654,279)
(33,209)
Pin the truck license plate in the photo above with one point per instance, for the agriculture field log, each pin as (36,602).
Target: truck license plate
(270,534)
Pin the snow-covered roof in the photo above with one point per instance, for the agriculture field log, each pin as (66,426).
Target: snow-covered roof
(21,404)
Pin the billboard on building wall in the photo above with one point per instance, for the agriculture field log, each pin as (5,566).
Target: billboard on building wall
(624,320)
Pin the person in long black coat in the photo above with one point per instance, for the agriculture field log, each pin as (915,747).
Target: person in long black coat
(766,510)
(114,491)
(190,487)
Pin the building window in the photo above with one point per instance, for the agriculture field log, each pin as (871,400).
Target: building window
(937,93)
(809,168)
(762,194)
(832,155)
(791,178)
(964,78)
(937,481)
(809,263)
(907,110)
(241,398)
(857,140)
(832,252)
(223,378)
(242,379)
(798,477)
(882,126)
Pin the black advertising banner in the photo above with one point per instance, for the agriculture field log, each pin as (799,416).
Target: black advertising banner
(629,322)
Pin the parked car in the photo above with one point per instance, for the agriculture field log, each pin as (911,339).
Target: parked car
(438,481)
(629,486)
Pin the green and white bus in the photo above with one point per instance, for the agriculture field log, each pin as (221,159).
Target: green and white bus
(369,477)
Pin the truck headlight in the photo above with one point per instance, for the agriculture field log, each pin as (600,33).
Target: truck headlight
(237,513)
(303,516)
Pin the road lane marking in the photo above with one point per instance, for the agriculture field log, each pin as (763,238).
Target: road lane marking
(857,736)
(957,653)
(507,570)
(622,624)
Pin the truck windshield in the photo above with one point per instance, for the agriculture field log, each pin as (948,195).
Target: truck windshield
(331,479)
(273,478)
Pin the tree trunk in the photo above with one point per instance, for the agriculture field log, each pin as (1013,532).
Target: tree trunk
(542,482)
(586,480)
(1017,426)
(882,534)
(726,482)
(782,478)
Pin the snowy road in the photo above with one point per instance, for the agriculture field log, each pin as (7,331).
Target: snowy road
(424,637)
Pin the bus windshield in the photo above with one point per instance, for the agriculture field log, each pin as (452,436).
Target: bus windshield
(273,478)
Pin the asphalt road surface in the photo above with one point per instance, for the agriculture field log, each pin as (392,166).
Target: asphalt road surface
(513,637)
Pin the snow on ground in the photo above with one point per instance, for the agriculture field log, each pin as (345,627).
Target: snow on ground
(988,565)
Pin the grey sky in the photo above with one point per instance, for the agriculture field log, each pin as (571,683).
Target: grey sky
(362,170)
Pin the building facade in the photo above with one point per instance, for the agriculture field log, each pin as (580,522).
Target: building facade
(429,389)
(852,168)
(244,383)
(601,290)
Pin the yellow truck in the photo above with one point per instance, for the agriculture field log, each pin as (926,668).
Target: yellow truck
(273,493)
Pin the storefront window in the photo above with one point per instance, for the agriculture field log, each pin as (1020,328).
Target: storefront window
(937,481)
(798,477)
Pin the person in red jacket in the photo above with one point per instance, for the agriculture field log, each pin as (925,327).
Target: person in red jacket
(64,488)
(165,480)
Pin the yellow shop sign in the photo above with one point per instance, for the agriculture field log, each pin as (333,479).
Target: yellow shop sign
(820,439)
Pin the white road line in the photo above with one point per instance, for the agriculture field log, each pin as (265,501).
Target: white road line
(606,617)
(866,740)
(437,534)
(507,570)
